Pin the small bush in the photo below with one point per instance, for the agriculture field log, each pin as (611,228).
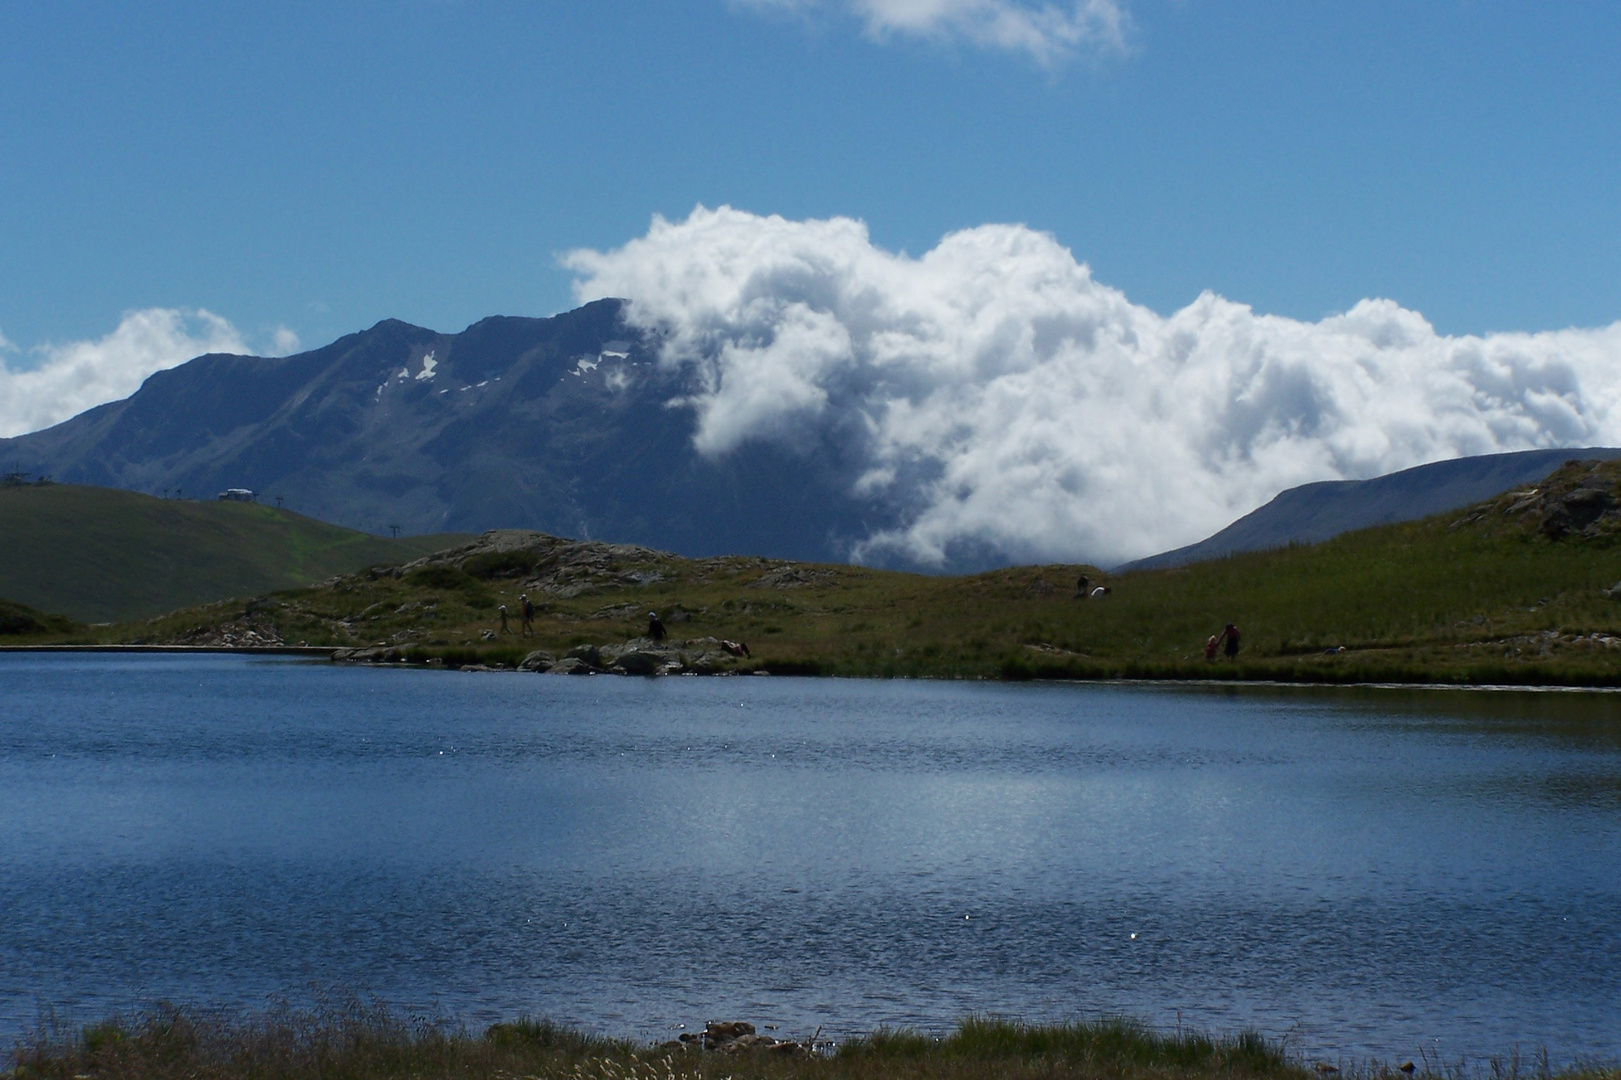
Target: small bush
(1017,669)
(530,1033)
(500,564)
(442,577)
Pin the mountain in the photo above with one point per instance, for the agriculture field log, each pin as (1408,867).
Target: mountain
(571,426)
(102,555)
(1315,512)
(564,425)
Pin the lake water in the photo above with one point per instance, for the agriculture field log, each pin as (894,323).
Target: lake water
(1367,872)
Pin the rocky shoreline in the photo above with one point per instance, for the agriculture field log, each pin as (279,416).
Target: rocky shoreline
(637,656)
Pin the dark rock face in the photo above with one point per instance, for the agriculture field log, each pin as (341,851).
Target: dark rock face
(564,425)
(1575,511)
(1578,503)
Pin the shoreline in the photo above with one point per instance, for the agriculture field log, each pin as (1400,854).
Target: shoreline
(328,652)
(286,650)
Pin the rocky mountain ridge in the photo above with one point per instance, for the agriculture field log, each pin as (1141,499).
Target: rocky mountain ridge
(567,425)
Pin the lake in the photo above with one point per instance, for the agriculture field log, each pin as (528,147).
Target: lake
(1366,872)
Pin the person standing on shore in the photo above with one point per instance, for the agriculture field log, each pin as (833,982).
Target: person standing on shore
(502,609)
(1229,635)
(527,610)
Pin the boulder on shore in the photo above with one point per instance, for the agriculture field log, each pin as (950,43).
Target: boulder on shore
(641,662)
(588,654)
(739,1037)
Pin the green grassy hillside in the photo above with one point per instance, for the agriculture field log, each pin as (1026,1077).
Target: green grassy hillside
(1514,590)
(100,554)
(21,621)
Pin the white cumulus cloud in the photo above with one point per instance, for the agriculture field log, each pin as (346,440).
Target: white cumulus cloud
(1009,402)
(72,377)
(1047,31)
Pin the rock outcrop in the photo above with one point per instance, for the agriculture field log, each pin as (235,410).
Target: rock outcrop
(548,565)
(1580,501)
(638,656)
(739,1037)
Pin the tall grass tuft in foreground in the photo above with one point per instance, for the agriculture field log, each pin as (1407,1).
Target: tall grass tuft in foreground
(1105,1048)
(357,1041)
(353,1040)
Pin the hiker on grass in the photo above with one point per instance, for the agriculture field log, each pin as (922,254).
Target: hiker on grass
(1210,646)
(1229,634)
(528,610)
(655,629)
(504,628)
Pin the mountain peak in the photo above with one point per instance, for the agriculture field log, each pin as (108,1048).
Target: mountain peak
(559,424)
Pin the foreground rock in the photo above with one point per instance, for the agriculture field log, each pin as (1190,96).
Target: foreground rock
(739,1037)
(638,656)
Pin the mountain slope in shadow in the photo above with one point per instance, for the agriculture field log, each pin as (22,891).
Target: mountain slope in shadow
(1312,513)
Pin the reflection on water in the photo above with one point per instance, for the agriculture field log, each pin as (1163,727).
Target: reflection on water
(1367,871)
(1585,719)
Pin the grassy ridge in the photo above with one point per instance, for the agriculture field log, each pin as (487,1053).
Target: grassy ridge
(1491,594)
(100,554)
(20,619)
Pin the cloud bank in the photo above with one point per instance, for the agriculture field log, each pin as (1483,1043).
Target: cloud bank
(1047,32)
(79,375)
(1010,402)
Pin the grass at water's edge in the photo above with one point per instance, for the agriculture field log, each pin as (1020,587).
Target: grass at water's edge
(367,1042)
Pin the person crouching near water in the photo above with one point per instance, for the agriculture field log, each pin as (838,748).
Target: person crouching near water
(1229,636)
(655,629)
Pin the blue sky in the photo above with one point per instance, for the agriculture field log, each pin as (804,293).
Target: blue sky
(320,166)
